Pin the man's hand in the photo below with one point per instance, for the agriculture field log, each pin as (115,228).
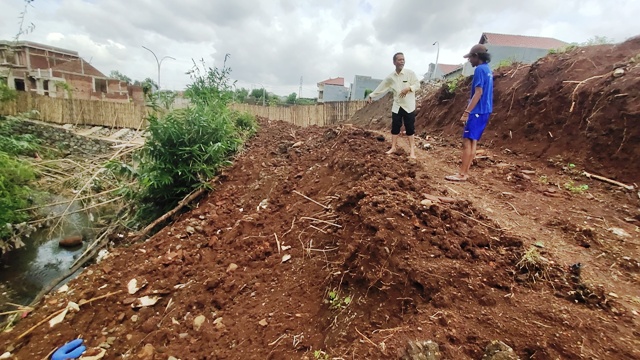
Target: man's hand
(404,92)
(464,117)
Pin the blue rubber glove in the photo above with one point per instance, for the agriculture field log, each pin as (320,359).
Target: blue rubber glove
(71,350)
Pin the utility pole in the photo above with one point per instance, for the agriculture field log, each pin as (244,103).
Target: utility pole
(263,95)
(435,69)
(300,88)
(159,62)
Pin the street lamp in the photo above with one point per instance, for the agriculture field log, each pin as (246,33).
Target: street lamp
(263,93)
(158,62)
(435,69)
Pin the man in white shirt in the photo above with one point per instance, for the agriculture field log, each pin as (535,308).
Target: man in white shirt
(403,83)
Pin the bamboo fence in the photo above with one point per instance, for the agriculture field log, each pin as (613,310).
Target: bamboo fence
(306,115)
(129,115)
(76,111)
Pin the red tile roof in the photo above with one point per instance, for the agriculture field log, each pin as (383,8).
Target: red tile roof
(336,81)
(448,68)
(77,67)
(533,42)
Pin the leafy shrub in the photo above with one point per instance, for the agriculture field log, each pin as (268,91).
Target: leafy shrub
(245,122)
(185,148)
(15,175)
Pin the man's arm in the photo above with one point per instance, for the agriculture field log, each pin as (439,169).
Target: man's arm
(474,100)
(382,88)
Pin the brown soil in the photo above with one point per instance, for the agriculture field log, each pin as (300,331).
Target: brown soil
(569,105)
(372,265)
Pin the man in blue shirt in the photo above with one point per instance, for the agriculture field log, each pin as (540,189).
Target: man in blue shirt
(479,108)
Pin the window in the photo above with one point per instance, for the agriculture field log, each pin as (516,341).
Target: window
(100,85)
(19,83)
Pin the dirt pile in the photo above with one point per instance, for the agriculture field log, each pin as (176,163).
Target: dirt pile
(316,245)
(582,105)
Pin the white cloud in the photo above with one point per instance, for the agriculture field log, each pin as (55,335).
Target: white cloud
(274,43)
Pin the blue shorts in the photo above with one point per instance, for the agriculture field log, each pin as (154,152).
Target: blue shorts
(475,125)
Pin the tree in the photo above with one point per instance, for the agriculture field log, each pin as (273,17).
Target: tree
(291,99)
(115,74)
(241,94)
(367,92)
(258,93)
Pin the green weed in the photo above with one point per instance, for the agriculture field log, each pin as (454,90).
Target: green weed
(320,355)
(574,188)
(337,302)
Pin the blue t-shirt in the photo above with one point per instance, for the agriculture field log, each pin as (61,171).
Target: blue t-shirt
(483,77)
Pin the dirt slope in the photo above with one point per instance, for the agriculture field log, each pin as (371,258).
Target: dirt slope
(372,265)
(583,105)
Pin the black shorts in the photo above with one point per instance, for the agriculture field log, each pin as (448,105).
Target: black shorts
(409,120)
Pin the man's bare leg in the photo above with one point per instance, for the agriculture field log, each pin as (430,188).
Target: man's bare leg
(412,146)
(468,153)
(394,144)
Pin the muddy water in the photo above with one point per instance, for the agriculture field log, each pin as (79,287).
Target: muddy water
(26,271)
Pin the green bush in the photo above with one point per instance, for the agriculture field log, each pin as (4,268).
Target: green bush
(185,148)
(15,175)
(245,123)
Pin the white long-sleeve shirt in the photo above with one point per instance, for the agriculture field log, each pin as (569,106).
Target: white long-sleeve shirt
(396,83)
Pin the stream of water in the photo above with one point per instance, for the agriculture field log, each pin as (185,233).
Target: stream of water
(26,271)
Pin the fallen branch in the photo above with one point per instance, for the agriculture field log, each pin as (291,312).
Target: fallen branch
(514,208)
(310,199)
(63,309)
(573,94)
(67,201)
(189,198)
(607,180)
(322,221)
(74,212)
(366,338)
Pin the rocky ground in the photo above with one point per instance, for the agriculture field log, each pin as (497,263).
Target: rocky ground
(316,245)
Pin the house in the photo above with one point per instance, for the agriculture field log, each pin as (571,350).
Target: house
(360,86)
(332,90)
(56,72)
(439,72)
(515,48)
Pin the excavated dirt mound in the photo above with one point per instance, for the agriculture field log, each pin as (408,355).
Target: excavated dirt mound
(316,241)
(583,105)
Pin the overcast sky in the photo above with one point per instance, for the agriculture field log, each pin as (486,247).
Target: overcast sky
(275,42)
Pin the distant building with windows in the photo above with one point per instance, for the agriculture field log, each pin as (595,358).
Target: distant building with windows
(332,90)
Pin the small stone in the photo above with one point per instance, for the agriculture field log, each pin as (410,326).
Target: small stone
(111,340)
(286,258)
(129,336)
(232,267)
(198,321)
(71,241)
(120,317)
(497,350)
(183,335)
(172,358)
(263,322)
(426,202)
(104,345)
(218,323)
(422,350)
(134,318)
(147,352)
(618,72)
(613,295)
(190,229)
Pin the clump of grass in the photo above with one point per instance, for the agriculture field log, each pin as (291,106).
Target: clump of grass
(533,265)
